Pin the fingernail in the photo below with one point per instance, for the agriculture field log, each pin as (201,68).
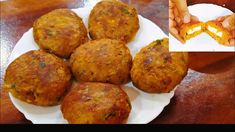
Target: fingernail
(225,24)
(187,18)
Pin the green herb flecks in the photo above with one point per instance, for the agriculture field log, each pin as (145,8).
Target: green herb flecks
(42,64)
(159,41)
(126,11)
(13,85)
(50,32)
(109,115)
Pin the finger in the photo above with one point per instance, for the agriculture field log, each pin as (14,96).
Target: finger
(232,42)
(226,24)
(181,5)
(171,14)
(174,32)
(233,34)
(183,10)
(171,4)
(172,23)
(178,21)
(176,12)
(221,18)
(186,17)
(194,18)
(229,22)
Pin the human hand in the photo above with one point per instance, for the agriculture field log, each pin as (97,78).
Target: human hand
(178,15)
(228,22)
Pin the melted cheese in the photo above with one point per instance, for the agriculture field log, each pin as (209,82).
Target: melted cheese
(215,31)
(191,31)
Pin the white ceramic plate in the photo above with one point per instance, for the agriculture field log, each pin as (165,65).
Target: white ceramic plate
(202,42)
(145,107)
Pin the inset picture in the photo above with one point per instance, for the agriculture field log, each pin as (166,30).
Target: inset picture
(201,26)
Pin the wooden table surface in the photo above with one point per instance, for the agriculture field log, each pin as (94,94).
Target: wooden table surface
(206,95)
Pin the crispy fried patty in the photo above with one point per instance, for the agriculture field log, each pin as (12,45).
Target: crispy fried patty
(156,70)
(103,60)
(216,30)
(60,32)
(96,103)
(38,78)
(114,20)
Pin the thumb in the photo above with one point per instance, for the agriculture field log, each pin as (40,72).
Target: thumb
(182,7)
(186,17)
(229,22)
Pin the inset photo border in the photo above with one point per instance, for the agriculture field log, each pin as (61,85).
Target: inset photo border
(207,34)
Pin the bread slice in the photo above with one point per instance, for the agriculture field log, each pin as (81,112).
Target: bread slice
(190,30)
(216,30)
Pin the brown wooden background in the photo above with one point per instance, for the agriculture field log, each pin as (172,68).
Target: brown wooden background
(206,95)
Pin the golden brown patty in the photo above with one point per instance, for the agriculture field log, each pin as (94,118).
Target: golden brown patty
(216,30)
(114,20)
(157,70)
(103,60)
(96,103)
(38,78)
(192,29)
(60,32)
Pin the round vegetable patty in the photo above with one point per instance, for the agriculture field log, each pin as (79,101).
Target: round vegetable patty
(156,70)
(114,20)
(96,103)
(104,60)
(38,78)
(60,32)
